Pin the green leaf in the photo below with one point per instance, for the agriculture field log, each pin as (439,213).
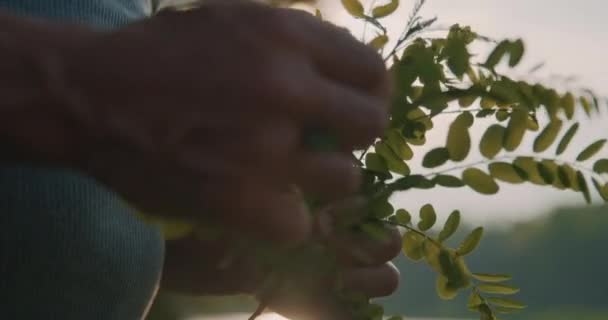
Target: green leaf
(491,142)
(458,56)
(385,10)
(516,129)
(545,173)
(502,115)
(448,181)
(397,143)
(376,163)
(507,172)
(601,190)
(382,208)
(445,291)
(506,303)
(479,181)
(474,301)
(566,139)
(450,226)
(591,150)
(516,52)
(584,188)
(546,138)
(428,217)
(601,166)
(496,288)
(459,141)
(487,277)
(378,42)
(435,158)
(530,167)
(471,242)
(403,216)
(569,176)
(487,103)
(586,105)
(354,8)
(413,245)
(497,54)
(467,101)
(568,103)
(395,164)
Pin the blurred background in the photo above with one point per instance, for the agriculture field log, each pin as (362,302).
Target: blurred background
(549,240)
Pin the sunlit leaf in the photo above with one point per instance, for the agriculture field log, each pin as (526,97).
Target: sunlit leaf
(506,303)
(378,42)
(444,291)
(474,301)
(397,143)
(450,226)
(376,163)
(491,141)
(516,52)
(394,163)
(507,172)
(459,141)
(584,187)
(435,158)
(497,54)
(354,8)
(385,10)
(471,242)
(566,139)
(568,103)
(546,138)
(479,181)
(413,245)
(601,166)
(403,216)
(591,150)
(545,173)
(497,288)
(515,130)
(487,277)
(601,190)
(448,181)
(428,217)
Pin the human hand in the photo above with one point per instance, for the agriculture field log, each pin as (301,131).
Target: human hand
(210,267)
(203,113)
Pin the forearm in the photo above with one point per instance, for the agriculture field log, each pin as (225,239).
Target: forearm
(35,122)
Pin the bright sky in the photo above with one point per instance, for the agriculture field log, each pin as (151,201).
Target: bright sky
(570,36)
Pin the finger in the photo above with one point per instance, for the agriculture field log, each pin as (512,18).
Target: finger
(326,175)
(352,117)
(259,209)
(335,52)
(378,281)
(362,250)
(196,266)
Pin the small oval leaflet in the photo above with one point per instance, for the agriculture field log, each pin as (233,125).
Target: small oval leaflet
(428,217)
(471,242)
(353,7)
(601,166)
(413,245)
(403,216)
(487,277)
(566,139)
(385,10)
(491,142)
(448,181)
(546,138)
(506,172)
(515,130)
(480,181)
(436,158)
(497,288)
(451,225)
(506,303)
(591,150)
(376,163)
